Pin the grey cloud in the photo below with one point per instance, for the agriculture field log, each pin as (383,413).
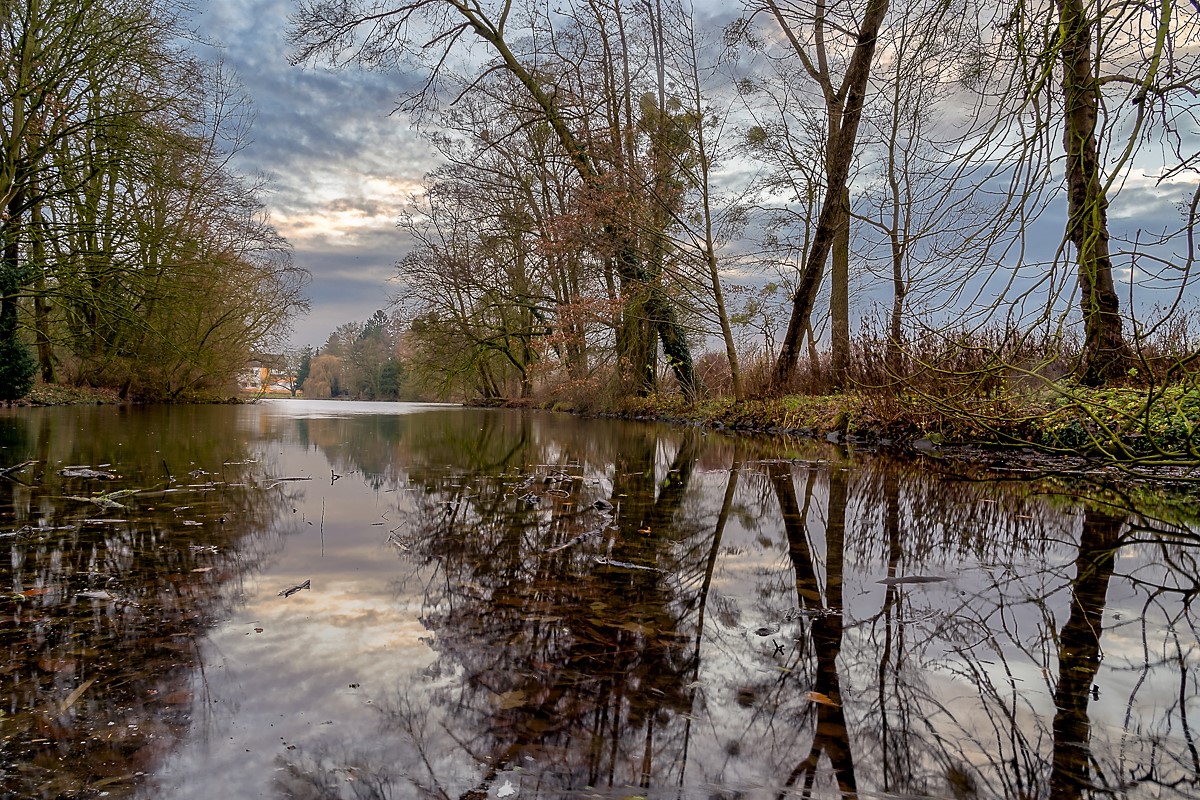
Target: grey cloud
(327,141)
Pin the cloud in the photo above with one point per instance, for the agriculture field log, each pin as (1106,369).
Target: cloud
(339,163)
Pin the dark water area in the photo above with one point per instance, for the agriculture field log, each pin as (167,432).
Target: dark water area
(326,600)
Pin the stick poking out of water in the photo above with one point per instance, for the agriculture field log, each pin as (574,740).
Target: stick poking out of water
(289,592)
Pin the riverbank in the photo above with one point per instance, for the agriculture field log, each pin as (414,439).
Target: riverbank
(1058,427)
(1066,427)
(60,394)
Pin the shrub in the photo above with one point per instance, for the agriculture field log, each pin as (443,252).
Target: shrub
(17,368)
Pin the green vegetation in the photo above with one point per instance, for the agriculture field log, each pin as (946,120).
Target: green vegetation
(1135,426)
(131,256)
(360,361)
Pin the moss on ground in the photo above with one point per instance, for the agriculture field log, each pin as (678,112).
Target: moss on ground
(1121,424)
(59,394)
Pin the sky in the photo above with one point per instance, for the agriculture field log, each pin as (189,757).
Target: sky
(339,165)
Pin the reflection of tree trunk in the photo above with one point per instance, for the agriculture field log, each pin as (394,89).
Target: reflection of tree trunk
(831,736)
(894,631)
(796,527)
(1079,654)
(675,484)
(702,601)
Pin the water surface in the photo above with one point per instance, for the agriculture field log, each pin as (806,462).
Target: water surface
(335,600)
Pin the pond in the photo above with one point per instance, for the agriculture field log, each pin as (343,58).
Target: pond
(302,599)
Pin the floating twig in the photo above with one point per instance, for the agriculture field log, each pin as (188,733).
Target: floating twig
(106,500)
(612,562)
(7,472)
(574,540)
(911,579)
(289,592)
(87,472)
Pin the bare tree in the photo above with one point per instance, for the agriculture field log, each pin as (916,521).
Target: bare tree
(823,38)
(427,35)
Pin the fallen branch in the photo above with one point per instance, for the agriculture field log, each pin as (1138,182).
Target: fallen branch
(289,592)
(7,472)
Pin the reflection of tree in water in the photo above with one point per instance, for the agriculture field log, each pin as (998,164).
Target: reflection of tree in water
(911,524)
(830,737)
(103,602)
(914,729)
(1018,739)
(570,654)
(610,674)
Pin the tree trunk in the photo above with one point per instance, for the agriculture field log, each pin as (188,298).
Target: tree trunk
(675,344)
(895,352)
(839,154)
(1106,354)
(839,299)
(41,300)
(11,272)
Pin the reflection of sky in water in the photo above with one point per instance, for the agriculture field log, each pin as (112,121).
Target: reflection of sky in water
(302,671)
(327,409)
(319,693)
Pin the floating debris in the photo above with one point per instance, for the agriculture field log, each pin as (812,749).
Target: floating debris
(911,579)
(403,542)
(574,541)
(106,500)
(277,481)
(87,472)
(289,592)
(8,472)
(612,562)
(822,699)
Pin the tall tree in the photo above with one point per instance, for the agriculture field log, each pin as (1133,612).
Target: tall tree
(819,39)
(925,226)
(1106,353)
(146,263)
(1114,82)
(425,35)
(53,49)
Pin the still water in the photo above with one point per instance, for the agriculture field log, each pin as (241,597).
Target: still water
(301,599)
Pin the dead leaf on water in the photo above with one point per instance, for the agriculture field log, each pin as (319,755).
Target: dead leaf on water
(823,699)
(513,699)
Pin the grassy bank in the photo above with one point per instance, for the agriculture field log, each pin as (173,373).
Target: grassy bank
(1122,425)
(60,394)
